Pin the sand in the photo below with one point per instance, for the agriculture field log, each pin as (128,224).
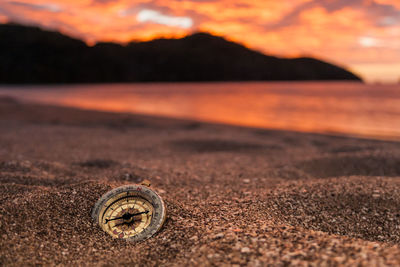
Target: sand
(234,195)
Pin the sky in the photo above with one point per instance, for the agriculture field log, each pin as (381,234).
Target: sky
(361,35)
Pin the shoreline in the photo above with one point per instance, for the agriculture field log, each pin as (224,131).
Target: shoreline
(234,195)
(333,133)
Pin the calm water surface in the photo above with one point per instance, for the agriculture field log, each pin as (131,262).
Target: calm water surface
(340,108)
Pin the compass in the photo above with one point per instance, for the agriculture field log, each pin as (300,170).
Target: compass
(130,212)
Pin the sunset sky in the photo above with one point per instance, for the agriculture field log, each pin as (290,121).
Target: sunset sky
(362,35)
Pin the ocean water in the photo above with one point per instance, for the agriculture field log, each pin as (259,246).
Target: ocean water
(343,108)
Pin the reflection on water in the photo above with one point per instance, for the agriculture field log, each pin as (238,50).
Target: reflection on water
(349,108)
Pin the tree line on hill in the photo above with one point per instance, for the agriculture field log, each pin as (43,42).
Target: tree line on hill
(32,55)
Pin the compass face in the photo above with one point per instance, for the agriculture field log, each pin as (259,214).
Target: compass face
(132,212)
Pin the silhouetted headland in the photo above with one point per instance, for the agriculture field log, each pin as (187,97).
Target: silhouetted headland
(33,55)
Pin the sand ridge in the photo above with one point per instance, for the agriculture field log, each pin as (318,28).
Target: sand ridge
(234,196)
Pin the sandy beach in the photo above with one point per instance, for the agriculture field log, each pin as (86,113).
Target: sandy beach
(234,195)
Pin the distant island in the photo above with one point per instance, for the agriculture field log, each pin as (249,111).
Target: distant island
(32,55)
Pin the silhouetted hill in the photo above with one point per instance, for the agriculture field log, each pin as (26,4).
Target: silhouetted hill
(32,55)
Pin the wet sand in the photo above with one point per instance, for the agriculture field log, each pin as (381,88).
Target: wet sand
(234,195)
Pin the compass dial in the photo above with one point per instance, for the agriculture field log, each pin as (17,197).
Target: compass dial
(132,212)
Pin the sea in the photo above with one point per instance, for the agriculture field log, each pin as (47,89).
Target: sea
(336,108)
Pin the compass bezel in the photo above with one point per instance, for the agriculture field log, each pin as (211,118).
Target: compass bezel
(142,191)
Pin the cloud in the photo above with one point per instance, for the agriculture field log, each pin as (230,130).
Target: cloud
(394,3)
(102,1)
(148,15)
(47,7)
(378,12)
(389,21)
(3,18)
(370,42)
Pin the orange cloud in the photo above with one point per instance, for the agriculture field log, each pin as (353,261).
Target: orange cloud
(395,3)
(359,34)
(3,19)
